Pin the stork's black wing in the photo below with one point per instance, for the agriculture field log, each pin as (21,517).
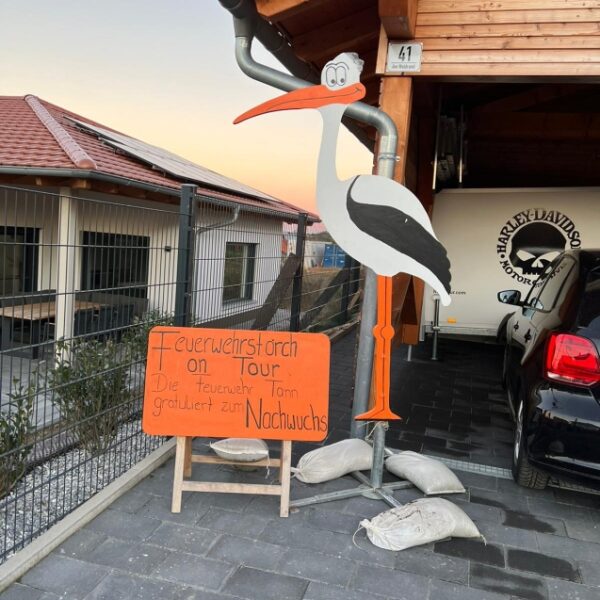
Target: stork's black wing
(403,233)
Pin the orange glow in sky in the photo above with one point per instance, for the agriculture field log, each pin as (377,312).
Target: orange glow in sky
(165,72)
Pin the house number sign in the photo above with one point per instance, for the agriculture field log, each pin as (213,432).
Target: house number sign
(403,57)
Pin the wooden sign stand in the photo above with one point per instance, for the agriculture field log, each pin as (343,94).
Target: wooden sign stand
(184,458)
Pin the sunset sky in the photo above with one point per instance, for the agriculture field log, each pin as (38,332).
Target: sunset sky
(164,71)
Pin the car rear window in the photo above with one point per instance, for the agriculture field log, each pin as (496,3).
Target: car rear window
(589,315)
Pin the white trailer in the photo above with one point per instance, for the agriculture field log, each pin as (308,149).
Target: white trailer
(500,239)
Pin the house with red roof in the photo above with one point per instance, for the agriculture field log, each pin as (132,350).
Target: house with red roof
(85,208)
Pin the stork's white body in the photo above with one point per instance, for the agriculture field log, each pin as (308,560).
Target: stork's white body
(367,189)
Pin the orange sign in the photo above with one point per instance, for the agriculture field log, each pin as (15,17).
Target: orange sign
(236,383)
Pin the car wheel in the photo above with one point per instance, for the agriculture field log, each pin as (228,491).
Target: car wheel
(523,473)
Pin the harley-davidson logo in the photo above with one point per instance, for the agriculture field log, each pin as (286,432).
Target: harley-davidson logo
(532,239)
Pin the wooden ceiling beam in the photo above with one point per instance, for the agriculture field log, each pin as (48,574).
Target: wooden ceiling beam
(399,18)
(345,34)
(277,10)
(529,98)
(530,126)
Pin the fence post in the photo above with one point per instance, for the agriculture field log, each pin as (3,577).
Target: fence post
(185,253)
(297,286)
(346,288)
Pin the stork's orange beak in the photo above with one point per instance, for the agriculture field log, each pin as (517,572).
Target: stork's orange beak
(310,97)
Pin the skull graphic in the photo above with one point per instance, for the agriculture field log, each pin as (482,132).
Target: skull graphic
(535,246)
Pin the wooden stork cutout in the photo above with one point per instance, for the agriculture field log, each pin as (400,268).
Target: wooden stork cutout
(376,220)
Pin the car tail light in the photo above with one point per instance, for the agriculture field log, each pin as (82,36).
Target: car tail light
(572,359)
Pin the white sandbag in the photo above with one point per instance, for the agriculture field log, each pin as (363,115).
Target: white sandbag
(336,460)
(419,522)
(244,450)
(429,475)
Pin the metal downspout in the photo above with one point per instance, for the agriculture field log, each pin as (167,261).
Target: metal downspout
(247,24)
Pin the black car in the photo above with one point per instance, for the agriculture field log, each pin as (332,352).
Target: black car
(552,373)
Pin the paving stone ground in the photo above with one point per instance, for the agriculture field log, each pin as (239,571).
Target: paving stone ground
(540,544)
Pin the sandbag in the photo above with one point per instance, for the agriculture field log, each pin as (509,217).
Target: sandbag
(419,522)
(244,450)
(336,460)
(429,475)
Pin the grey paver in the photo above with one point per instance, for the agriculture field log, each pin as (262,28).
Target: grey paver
(586,531)
(128,556)
(567,548)
(309,564)
(331,521)
(509,536)
(590,571)
(360,549)
(523,520)
(193,540)
(79,544)
(429,564)
(20,592)
(507,582)
(320,591)
(123,586)
(566,590)
(536,562)
(247,583)
(247,552)
(115,523)
(158,507)
(132,501)
(64,575)
(442,590)
(477,550)
(189,569)
(246,524)
(395,584)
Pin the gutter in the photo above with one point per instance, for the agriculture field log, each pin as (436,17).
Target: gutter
(248,24)
(149,187)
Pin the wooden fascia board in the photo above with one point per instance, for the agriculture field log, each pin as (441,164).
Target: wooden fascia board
(277,10)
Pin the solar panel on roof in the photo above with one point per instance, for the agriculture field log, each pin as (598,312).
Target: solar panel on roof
(170,163)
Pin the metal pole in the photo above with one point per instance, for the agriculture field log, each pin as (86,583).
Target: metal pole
(409,353)
(436,326)
(183,284)
(346,289)
(297,285)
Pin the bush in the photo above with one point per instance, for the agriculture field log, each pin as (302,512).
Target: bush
(135,339)
(90,390)
(16,426)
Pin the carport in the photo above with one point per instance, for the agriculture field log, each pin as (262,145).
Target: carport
(503,95)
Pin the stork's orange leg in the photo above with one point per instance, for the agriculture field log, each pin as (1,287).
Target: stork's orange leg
(383,332)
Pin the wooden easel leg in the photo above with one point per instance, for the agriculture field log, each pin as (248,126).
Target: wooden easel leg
(178,474)
(187,469)
(284,476)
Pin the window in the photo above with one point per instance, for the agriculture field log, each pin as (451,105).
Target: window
(238,280)
(554,282)
(115,263)
(18,260)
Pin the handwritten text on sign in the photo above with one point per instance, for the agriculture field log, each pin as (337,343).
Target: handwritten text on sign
(233,383)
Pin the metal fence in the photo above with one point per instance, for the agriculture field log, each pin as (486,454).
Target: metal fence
(83,279)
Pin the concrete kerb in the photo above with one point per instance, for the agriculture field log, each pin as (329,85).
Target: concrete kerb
(16,566)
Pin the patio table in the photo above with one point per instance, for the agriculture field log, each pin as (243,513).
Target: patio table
(35,312)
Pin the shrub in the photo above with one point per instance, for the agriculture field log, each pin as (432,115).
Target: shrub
(90,390)
(135,339)
(16,426)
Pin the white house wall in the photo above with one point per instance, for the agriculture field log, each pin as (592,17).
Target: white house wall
(265,232)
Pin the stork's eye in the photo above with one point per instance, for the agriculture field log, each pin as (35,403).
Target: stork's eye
(341,74)
(330,76)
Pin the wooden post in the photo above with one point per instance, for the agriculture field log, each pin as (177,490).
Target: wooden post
(178,474)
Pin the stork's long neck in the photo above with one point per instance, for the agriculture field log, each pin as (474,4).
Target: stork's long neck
(327,178)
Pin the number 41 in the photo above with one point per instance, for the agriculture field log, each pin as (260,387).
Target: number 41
(404,54)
